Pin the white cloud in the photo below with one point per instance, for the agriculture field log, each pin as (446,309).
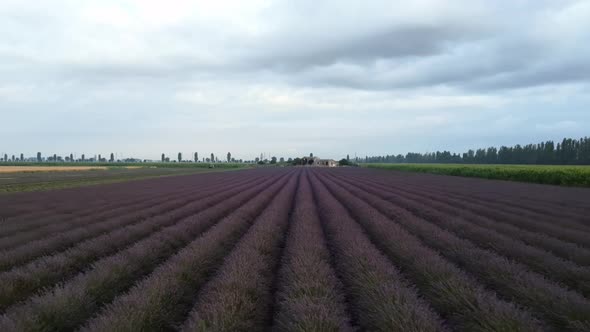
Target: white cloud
(289,77)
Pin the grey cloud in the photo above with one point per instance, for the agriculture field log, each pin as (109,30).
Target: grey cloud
(392,42)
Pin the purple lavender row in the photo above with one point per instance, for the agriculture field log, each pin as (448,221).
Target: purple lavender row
(504,199)
(566,250)
(23,281)
(239,297)
(558,306)
(552,267)
(550,198)
(533,225)
(59,225)
(64,240)
(309,296)
(460,299)
(381,298)
(85,200)
(68,305)
(162,300)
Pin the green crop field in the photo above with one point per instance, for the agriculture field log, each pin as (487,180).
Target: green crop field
(545,174)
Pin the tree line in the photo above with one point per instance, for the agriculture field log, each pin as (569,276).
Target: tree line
(567,152)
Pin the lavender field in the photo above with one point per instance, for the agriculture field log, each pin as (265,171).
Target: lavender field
(297,249)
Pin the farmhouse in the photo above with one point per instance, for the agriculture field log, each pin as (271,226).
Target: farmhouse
(317,162)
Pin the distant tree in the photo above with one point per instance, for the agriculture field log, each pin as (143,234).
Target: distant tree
(13,158)
(311,155)
(347,158)
(228,157)
(54,157)
(179,156)
(39,159)
(167,159)
(83,158)
(343,162)
(257,160)
(196,157)
(22,157)
(71,157)
(273,160)
(208,159)
(568,151)
(163,157)
(212,158)
(297,161)
(282,160)
(112,159)
(290,160)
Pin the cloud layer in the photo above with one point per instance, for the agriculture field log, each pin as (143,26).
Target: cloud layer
(290,77)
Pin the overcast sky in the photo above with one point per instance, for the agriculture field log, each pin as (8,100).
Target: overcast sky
(289,77)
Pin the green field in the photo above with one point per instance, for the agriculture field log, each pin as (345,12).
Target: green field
(115,172)
(545,174)
(122,164)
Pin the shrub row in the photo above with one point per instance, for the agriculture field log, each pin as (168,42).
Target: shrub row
(381,299)
(464,302)
(22,281)
(566,250)
(66,306)
(568,273)
(56,225)
(62,241)
(309,296)
(161,301)
(239,297)
(562,308)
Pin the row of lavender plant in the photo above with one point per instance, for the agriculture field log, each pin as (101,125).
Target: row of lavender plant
(535,225)
(460,299)
(309,296)
(551,212)
(560,307)
(566,250)
(68,305)
(552,267)
(239,297)
(163,299)
(22,281)
(381,298)
(73,203)
(148,206)
(27,252)
(548,198)
(85,213)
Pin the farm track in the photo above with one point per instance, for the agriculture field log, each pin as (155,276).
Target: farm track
(297,249)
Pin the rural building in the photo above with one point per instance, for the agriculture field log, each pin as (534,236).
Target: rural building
(317,162)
